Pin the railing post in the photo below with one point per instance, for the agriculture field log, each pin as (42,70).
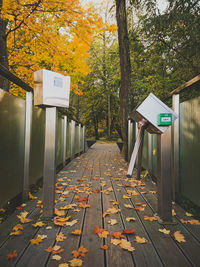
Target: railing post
(27,143)
(130,139)
(175,149)
(64,140)
(49,162)
(150,152)
(72,138)
(164,176)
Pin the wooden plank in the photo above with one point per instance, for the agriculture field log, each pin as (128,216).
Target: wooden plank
(115,255)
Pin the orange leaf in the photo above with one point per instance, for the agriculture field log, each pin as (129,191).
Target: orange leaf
(18,227)
(83,199)
(60,237)
(76,232)
(128,231)
(151,219)
(75,253)
(36,241)
(12,255)
(105,247)
(18,232)
(84,206)
(31,196)
(97,191)
(118,235)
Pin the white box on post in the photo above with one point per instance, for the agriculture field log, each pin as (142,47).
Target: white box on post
(51,89)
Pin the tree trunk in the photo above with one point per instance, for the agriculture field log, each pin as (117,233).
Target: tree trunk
(4,84)
(125,67)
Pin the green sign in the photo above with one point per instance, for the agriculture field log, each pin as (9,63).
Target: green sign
(164,119)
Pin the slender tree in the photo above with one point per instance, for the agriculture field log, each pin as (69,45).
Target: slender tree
(125,67)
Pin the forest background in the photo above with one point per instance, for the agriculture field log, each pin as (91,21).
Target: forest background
(80,39)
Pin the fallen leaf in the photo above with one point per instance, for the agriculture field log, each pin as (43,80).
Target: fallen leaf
(126,245)
(76,232)
(68,207)
(118,235)
(196,222)
(128,231)
(12,255)
(48,227)
(59,212)
(151,219)
(76,253)
(25,220)
(63,265)
(105,247)
(113,221)
(140,240)
(76,262)
(60,237)
(115,241)
(84,206)
(54,250)
(36,241)
(115,202)
(188,214)
(173,212)
(179,237)
(139,208)
(38,224)
(97,191)
(104,234)
(18,227)
(152,192)
(83,199)
(31,196)
(56,257)
(128,206)
(18,232)
(71,223)
(42,236)
(126,197)
(128,219)
(60,221)
(164,231)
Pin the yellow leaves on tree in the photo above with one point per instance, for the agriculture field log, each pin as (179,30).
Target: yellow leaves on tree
(54,35)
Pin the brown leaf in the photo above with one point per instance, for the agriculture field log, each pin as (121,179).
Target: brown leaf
(18,232)
(128,231)
(18,227)
(84,206)
(118,235)
(105,247)
(179,237)
(12,255)
(36,241)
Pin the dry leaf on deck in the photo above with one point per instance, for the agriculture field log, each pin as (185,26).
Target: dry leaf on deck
(12,255)
(126,245)
(36,241)
(113,221)
(18,232)
(194,222)
(164,231)
(118,235)
(60,237)
(60,221)
(38,224)
(63,265)
(56,257)
(42,236)
(84,206)
(18,227)
(54,250)
(76,232)
(128,231)
(115,241)
(179,237)
(31,196)
(173,212)
(128,206)
(151,219)
(71,223)
(105,247)
(188,214)
(59,212)
(126,197)
(76,262)
(140,240)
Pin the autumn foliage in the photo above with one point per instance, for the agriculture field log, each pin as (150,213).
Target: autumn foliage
(55,35)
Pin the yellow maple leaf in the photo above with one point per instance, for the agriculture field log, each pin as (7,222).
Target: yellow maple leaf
(59,212)
(60,237)
(36,241)
(173,212)
(126,197)
(25,220)
(38,224)
(103,234)
(115,241)
(140,240)
(188,214)
(128,206)
(56,257)
(164,231)
(63,265)
(31,196)
(179,237)
(151,219)
(76,232)
(18,227)
(71,223)
(18,232)
(76,262)
(126,245)
(196,222)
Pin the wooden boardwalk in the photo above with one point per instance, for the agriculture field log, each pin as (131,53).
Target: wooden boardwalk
(98,179)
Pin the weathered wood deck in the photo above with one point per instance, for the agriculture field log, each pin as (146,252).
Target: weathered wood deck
(101,168)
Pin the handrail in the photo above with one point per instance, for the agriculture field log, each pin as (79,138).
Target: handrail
(183,86)
(11,77)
